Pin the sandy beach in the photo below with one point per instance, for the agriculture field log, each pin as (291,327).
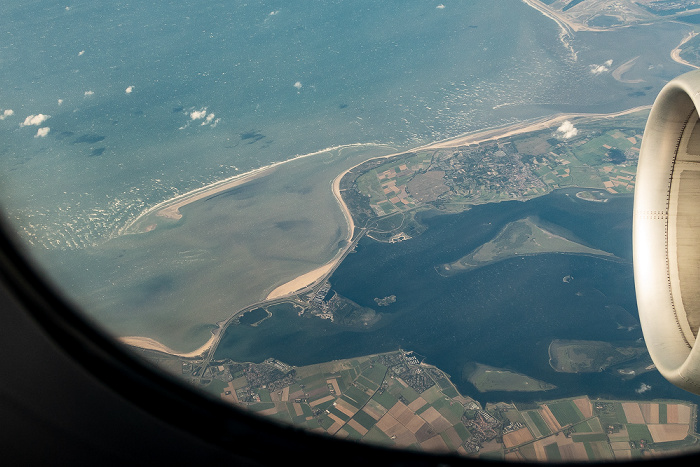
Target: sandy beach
(152,344)
(172,211)
(520,128)
(565,22)
(304,280)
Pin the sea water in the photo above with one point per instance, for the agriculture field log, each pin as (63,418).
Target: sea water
(117,107)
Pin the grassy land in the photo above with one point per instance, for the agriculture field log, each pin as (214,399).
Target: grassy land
(518,238)
(388,400)
(570,356)
(486,378)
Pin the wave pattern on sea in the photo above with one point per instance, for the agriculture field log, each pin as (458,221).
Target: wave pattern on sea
(88,222)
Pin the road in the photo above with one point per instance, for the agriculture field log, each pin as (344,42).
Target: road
(221,331)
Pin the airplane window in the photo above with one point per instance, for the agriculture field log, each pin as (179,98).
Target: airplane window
(405,223)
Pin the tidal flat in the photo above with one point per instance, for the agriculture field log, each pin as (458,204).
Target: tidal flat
(227,251)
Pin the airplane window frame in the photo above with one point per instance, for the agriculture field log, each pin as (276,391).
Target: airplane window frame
(170,400)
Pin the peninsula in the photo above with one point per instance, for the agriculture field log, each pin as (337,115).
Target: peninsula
(524,237)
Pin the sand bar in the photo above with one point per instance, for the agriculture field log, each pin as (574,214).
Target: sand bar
(564,21)
(624,68)
(676,53)
(152,344)
(170,208)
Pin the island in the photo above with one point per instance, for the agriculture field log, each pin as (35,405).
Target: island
(386,301)
(487,378)
(578,356)
(523,237)
(386,195)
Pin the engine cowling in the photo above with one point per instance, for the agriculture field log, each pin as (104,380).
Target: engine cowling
(666,232)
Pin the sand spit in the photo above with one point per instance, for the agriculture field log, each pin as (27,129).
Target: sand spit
(152,344)
(172,211)
(564,21)
(520,128)
(304,280)
(676,53)
(624,68)
(171,208)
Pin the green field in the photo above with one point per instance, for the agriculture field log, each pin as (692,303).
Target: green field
(539,422)
(663,413)
(582,427)
(566,412)
(638,432)
(589,437)
(553,453)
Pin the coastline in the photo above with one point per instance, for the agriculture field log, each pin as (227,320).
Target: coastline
(564,23)
(309,278)
(477,137)
(543,123)
(170,208)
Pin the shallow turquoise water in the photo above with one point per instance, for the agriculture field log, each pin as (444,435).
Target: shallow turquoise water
(148,101)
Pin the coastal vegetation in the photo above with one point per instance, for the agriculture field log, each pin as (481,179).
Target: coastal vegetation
(578,356)
(386,301)
(387,194)
(519,238)
(487,378)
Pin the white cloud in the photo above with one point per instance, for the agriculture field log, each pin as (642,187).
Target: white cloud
(35,120)
(60,101)
(6,113)
(201,114)
(567,130)
(80,53)
(129,90)
(298,85)
(609,63)
(598,69)
(273,13)
(208,120)
(89,93)
(42,132)
(642,388)
(440,6)
(198,114)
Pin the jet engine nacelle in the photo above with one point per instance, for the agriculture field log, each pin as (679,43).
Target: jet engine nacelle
(666,235)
